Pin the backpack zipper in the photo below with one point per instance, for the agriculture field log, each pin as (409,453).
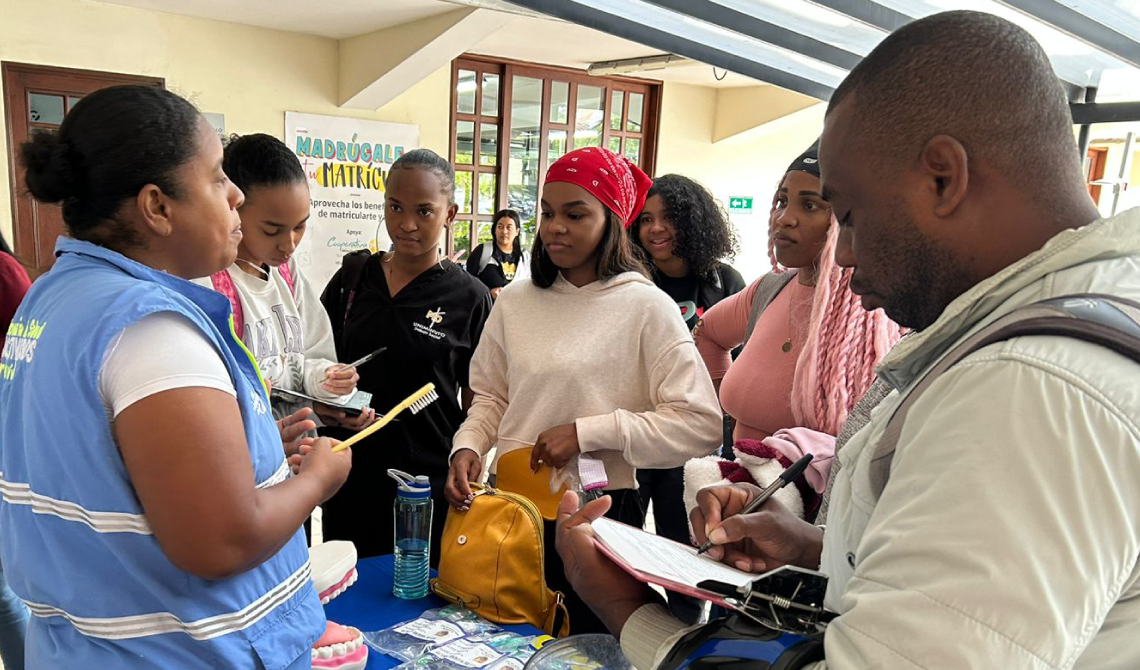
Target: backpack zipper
(458,599)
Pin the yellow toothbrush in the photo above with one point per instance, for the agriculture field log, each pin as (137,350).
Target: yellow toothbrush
(415,402)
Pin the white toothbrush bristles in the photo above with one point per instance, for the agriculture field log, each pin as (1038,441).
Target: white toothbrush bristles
(423,402)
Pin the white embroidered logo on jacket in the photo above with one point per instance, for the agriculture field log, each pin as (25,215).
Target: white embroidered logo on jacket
(434,318)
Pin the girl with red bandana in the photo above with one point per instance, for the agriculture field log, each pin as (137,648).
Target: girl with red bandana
(588,363)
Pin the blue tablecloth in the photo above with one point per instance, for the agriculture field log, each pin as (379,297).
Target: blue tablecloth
(369,605)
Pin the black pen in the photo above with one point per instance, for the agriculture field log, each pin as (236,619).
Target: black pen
(786,477)
(364,359)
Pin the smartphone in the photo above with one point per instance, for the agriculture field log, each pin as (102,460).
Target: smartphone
(352,407)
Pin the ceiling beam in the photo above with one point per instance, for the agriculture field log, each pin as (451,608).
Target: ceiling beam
(1104,112)
(1075,24)
(576,12)
(731,19)
(868,12)
(884,18)
(376,67)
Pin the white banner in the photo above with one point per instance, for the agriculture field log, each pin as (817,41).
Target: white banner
(347,162)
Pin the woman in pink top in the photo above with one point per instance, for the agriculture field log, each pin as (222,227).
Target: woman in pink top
(813,349)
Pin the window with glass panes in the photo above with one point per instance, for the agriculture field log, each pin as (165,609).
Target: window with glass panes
(501,148)
(475,113)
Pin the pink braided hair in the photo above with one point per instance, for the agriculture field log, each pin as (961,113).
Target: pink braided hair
(844,344)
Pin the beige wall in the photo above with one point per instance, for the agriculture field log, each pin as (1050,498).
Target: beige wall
(254,75)
(750,165)
(251,75)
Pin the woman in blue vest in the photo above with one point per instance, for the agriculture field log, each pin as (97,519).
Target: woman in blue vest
(149,517)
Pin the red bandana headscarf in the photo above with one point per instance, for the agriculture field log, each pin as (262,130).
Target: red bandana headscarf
(613,179)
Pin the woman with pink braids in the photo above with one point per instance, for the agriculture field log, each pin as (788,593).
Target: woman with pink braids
(809,352)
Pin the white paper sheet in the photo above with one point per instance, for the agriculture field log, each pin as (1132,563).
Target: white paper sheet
(664,558)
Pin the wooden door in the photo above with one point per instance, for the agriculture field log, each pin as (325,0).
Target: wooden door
(1097,159)
(36,98)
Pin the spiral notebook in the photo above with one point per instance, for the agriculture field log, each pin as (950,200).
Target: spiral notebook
(661,561)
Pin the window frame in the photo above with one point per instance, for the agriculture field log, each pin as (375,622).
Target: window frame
(507,71)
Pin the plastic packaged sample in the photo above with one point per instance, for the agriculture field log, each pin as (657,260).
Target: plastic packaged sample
(410,639)
(485,651)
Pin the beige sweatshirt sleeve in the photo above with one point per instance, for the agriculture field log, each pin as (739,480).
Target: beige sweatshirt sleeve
(685,421)
(649,634)
(488,380)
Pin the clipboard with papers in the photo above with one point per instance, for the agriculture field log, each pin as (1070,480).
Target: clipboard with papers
(788,598)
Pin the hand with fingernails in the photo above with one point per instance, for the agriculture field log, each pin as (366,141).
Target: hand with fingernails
(764,540)
(293,429)
(316,460)
(555,447)
(340,379)
(611,592)
(466,466)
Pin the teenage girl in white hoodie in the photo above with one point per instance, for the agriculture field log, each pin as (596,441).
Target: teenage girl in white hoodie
(282,321)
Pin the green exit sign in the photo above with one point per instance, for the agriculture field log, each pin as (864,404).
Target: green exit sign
(739,204)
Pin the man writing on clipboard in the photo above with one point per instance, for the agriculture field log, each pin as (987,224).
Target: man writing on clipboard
(1006,532)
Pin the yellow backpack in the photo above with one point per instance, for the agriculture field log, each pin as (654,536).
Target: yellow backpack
(492,562)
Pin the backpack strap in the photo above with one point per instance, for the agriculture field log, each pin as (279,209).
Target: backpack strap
(352,269)
(857,418)
(711,290)
(223,283)
(557,622)
(486,256)
(523,267)
(770,286)
(1107,321)
(287,275)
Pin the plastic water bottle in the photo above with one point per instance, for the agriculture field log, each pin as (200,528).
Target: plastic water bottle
(412,510)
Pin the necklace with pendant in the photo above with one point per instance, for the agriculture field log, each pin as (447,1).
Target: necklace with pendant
(792,307)
(787,346)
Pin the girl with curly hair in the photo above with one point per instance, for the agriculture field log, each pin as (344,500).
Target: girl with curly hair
(685,235)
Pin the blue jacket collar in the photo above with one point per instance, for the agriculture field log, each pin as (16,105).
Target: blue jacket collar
(213,303)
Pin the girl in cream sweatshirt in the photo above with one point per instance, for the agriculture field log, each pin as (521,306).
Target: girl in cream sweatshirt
(588,360)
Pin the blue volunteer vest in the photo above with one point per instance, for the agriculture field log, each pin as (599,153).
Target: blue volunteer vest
(77,547)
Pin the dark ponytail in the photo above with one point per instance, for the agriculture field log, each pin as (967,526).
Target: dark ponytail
(112,144)
(260,160)
(432,162)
